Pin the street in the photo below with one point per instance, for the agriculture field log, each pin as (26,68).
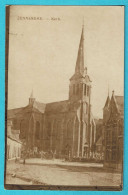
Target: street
(52,172)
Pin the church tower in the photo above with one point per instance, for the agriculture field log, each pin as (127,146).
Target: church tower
(80,83)
(79,97)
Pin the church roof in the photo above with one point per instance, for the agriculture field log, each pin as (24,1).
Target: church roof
(12,112)
(32,96)
(77,76)
(98,121)
(62,106)
(36,107)
(120,104)
(80,70)
(39,106)
(99,141)
(107,102)
(80,57)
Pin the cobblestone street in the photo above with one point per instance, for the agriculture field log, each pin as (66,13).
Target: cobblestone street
(49,172)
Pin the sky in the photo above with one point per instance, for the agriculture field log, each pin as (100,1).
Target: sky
(43,53)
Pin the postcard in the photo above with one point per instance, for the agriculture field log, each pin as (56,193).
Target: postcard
(64,97)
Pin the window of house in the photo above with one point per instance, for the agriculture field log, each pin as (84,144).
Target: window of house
(114,155)
(14,123)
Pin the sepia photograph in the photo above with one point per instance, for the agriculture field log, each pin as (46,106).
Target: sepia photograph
(64,97)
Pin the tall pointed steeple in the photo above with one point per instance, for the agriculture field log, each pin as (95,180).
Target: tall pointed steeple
(80,83)
(107,100)
(31,99)
(80,57)
(80,98)
(31,96)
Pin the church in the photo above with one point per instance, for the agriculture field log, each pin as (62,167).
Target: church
(65,127)
(113,122)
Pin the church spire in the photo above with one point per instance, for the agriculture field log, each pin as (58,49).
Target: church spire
(80,57)
(31,99)
(80,83)
(31,96)
(107,100)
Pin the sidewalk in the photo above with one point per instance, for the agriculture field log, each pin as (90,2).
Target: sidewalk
(38,161)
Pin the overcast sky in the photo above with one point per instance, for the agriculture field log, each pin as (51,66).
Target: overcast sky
(42,53)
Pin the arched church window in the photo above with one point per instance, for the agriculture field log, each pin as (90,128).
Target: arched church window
(54,129)
(86,130)
(49,129)
(37,133)
(85,89)
(58,132)
(76,89)
(23,129)
(69,130)
(73,89)
(86,108)
(77,92)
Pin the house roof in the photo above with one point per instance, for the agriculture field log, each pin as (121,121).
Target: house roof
(14,139)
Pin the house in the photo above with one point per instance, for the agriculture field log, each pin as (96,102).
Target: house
(13,143)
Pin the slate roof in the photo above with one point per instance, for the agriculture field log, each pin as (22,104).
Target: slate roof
(39,106)
(80,57)
(99,141)
(98,121)
(12,112)
(54,107)
(107,102)
(79,75)
(62,106)
(120,104)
